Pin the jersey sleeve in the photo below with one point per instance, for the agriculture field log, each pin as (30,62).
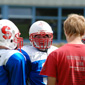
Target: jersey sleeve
(50,66)
(16,68)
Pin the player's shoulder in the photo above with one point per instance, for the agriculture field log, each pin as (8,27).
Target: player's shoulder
(5,55)
(51,49)
(8,52)
(28,48)
(54,47)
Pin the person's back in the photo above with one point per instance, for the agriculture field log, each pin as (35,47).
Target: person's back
(12,62)
(68,62)
(10,67)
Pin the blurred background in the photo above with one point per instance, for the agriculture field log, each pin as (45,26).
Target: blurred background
(24,12)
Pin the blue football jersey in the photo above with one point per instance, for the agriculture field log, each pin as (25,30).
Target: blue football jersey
(12,67)
(35,61)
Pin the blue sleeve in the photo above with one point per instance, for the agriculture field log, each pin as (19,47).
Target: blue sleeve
(27,64)
(16,69)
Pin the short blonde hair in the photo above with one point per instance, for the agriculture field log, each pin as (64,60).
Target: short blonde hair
(74,25)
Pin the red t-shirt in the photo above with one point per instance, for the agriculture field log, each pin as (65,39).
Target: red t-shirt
(67,64)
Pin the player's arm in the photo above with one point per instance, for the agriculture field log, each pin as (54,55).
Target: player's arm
(51,81)
(27,63)
(16,68)
(50,69)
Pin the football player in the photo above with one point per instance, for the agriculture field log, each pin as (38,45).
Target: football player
(12,62)
(41,37)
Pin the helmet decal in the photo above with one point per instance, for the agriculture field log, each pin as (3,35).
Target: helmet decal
(41,24)
(7,34)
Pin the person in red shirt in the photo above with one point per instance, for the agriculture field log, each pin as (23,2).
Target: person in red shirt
(66,65)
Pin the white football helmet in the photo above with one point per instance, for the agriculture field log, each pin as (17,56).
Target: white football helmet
(9,35)
(42,29)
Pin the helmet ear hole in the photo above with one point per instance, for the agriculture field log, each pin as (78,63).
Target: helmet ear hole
(11,41)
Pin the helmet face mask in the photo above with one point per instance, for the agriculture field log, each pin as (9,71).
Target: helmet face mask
(18,40)
(41,41)
(9,34)
(42,38)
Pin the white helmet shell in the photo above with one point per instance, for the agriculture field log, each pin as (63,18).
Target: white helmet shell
(39,26)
